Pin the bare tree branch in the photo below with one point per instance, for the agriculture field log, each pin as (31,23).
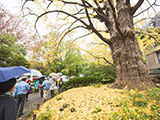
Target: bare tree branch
(99,58)
(91,24)
(30,14)
(71,3)
(49,4)
(58,11)
(80,37)
(141,20)
(151,5)
(99,44)
(153,38)
(69,32)
(145,9)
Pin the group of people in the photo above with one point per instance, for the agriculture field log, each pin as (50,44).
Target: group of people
(52,85)
(13,94)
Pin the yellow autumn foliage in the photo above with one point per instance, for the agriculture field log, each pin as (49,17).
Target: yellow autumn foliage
(103,103)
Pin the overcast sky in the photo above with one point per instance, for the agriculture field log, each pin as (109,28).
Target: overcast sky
(14,6)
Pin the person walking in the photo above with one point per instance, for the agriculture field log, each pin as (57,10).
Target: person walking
(20,94)
(46,85)
(41,88)
(28,91)
(52,87)
(8,106)
(36,84)
(60,84)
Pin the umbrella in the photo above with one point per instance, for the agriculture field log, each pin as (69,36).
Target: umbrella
(34,73)
(7,73)
(43,77)
(54,75)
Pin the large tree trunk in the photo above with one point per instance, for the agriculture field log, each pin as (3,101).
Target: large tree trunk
(131,72)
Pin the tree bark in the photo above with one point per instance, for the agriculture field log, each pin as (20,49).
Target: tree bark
(131,71)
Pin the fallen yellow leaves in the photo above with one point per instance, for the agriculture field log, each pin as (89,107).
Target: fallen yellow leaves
(90,103)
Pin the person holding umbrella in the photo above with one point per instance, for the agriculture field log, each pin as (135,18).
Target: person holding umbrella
(8,77)
(20,94)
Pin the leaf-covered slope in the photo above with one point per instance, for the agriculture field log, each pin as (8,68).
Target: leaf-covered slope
(92,103)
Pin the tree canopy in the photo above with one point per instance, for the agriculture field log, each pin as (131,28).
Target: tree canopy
(11,54)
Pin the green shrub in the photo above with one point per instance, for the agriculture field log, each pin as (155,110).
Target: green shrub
(86,81)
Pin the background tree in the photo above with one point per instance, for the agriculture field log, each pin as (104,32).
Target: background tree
(10,23)
(58,55)
(11,54)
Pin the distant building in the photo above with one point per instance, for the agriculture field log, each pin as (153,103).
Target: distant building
(154,22)
(153,57)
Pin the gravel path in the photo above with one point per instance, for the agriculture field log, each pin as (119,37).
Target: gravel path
(33,100)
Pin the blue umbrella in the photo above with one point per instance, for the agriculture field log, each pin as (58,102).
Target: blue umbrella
(7,73)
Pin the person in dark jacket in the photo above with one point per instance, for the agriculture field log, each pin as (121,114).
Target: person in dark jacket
(60,84)
(8,107)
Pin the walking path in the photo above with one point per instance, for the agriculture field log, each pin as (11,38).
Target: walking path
(33,100)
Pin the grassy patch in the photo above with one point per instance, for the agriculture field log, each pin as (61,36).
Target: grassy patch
(44,116)
(139,103)
(30,113)
(98,85)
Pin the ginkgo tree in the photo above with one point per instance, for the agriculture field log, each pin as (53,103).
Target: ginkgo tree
(116,19)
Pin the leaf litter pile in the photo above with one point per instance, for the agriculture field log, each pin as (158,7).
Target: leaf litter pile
(102,103)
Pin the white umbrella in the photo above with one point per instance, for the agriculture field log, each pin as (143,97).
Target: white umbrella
(34,73)
(54,75)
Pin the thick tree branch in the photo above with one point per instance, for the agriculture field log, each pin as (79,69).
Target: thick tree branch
(91,27)
(127,2)
(115,18)
(134,9)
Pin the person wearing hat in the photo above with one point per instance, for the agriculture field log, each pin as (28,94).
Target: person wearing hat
(8,106)
(20,94)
